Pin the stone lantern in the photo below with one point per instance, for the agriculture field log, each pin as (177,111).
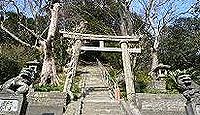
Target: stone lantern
(159,76)
(33,64)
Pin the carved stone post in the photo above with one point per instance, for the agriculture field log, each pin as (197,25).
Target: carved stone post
(71,70)
(127,71)
(101,44)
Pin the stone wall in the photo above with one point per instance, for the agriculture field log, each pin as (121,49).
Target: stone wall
(11,104)
(161,104)
(46,103)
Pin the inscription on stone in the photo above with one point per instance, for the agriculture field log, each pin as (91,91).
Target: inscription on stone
(8,106)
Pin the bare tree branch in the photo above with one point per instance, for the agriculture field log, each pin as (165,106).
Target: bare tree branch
(29,30)
(33,33)
(44,32)
(15,37)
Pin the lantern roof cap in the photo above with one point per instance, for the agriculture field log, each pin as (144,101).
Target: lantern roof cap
(161,66)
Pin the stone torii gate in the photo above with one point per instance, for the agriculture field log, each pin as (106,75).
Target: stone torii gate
(124,40)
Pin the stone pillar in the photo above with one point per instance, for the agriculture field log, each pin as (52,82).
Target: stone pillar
(71,70)
(101,44)
(130,89)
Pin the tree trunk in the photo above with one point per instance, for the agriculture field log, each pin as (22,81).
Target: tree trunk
(49,74)
(129,78)
(154,55)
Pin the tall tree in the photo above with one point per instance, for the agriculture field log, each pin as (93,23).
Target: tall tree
(157,15)
(37,10)
(180,48)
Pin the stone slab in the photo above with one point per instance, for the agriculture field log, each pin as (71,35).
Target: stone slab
(46,103)
(161,104)
(10,104)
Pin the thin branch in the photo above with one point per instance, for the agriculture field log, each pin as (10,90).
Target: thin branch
(44,31)
(18,11)
(29,30)
(129,3)
(78,13)
(32,9)
(162,3)
(33,33)
(15,37)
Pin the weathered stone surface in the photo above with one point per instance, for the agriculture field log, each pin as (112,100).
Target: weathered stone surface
(191,92)
(161,104)
(98,100)
(10,104)
(46,103)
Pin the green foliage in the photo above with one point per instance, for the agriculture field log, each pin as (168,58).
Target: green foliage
(142,81)
(157,91)
(48,88)
(76,88)
(123,94)
(114,59)
(9,68)
(194,74)
(12,59)
(61,54)
(180,48)
(113,74)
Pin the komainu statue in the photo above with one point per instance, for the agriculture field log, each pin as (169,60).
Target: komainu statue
(21,83)
(190,92)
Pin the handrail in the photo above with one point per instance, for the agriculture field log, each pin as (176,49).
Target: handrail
(80,104)
(113,86)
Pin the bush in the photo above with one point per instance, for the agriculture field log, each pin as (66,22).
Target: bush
(48,88)
(142,81)
(76,88)
(13,58)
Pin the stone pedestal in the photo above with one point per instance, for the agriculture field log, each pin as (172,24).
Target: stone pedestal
(46,103)
(159,77)
(11,104)
(193,108)
(159,85)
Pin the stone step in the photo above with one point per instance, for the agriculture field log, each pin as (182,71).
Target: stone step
(91,94)
(96,96)
(102,112)
(96,88)
(98,100)
(93,99)
(71,108)
(102,102)
(95,80)
(99,93)
(102,108)
(98,81)
(101,84)
(95,83)
(102,105)
(144,112)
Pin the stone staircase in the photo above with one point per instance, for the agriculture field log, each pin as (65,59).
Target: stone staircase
(98,99)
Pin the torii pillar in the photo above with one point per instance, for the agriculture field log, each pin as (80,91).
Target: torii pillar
(71,70)
(130,89)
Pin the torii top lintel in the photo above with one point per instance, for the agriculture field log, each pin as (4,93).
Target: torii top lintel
(100,37)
